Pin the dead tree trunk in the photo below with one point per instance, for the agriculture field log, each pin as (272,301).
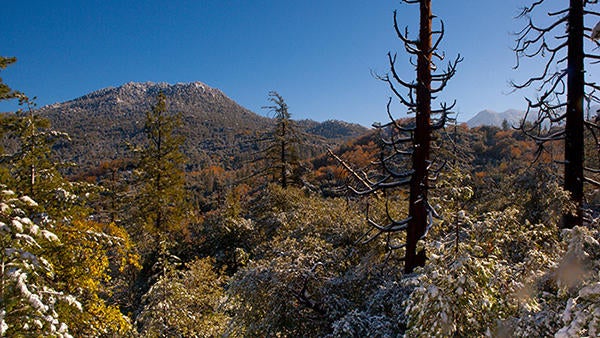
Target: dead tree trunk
(422,138)
(402,140)
(574,147)
(558,119)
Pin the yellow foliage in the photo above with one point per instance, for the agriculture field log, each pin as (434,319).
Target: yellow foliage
(89,251)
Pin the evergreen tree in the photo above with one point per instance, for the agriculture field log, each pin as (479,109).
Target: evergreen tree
(161,191)
(32,167)
(49,287)
(31,164)
(281,153)
(5,91)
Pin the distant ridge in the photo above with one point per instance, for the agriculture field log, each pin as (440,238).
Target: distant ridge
(491,118)
(514,117)
(217,129)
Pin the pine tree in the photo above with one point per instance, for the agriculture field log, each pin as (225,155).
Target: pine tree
(31,164)
(161,194)
(5,91)
(281,152)
(49,287)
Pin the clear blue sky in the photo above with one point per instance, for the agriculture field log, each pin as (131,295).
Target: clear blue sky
(318,54)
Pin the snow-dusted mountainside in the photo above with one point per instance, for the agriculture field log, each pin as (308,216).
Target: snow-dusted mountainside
(217,129)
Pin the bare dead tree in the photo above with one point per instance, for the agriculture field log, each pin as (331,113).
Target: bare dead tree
(562,88)
(400,140)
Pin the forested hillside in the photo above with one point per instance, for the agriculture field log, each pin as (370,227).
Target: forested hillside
(156,210)
(217,131)
(295,261)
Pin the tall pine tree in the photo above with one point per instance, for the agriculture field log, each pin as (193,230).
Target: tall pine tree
(281,153)
(161,190)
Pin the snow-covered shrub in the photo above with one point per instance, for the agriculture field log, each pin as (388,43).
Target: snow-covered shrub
(579,280)
(568,296)
(472,289)
(183,302)
(363,324)
(309,273)
(456,296)
(382,312)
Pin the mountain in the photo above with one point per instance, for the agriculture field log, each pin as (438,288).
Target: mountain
(104,124)
(512,116)
(491,118)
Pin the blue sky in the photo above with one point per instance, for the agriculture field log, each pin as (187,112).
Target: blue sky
(318,54)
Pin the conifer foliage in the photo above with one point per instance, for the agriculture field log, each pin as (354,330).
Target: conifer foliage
(28,296)
(161,178)
(31,166)
(280,154)
(5,91)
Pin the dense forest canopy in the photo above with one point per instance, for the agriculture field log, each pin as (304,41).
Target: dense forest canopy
(206,220)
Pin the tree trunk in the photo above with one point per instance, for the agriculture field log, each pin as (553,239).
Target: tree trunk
(422,136)
(159,154)
(574,151)
(283,159)
(32,181)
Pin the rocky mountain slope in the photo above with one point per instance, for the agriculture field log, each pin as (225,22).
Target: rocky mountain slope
(104,124)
